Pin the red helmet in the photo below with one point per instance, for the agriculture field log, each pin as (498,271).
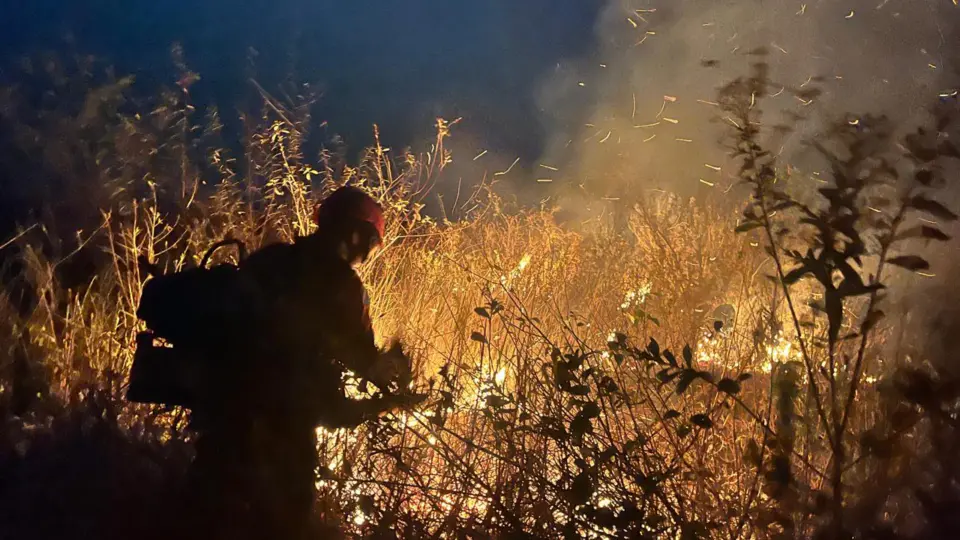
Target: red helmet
(351,203)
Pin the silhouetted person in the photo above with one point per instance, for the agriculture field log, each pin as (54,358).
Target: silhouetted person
(281,376)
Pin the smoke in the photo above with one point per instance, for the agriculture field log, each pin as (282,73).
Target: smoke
(650,123)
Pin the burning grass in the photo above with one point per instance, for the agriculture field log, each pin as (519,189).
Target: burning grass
(565,400)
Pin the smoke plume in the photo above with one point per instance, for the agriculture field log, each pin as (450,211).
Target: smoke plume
(649,86)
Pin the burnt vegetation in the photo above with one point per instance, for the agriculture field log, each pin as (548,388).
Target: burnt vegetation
(581,383)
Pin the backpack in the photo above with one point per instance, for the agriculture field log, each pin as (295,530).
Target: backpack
(189,315)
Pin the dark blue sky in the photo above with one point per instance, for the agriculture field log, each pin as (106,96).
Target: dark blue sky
(399,64)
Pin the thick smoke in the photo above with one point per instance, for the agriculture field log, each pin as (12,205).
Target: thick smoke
(651,125)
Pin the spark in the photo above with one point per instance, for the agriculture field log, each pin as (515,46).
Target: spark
(713,103)
(926,274)
(634,113)
(650,138)
(810,78)
(631,21)
(671,120)
(849,15)
(684,140)
(711,184)
(662,107)
(581,83)
(607,137)
(648,125)
(549,168)
(784,51)
(512,165)
(932,66)
(671,99)
(480,155)
(544,180)
(709,166)
(803,9)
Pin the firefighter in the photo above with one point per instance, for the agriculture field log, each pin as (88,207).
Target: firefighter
(254,473)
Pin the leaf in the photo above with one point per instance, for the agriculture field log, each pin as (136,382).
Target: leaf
(579,390)
(729,386)
(932,207)
(744,377)
(482,312)
(496,401)
(668,354)
(747,226)
(701,420)
(794,275)
(590,410)
(671,414)
(688,355)
(653,348)
(607,454)
(366,503)
(910,262)
(581,490)
(686,378)
(664,375)
(580,426)
(477,336)
(923,231)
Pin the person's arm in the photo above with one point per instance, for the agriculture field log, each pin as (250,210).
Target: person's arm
(351,339)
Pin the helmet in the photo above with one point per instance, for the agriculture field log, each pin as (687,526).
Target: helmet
(350,203)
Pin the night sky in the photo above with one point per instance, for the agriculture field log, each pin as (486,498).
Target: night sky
(399,64)
(562,83)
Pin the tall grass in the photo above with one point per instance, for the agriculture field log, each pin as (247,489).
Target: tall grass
(606,382)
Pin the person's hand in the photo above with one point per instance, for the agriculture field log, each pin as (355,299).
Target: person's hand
(392,366)
(389,402)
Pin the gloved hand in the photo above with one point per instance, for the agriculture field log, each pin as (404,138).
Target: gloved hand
(393,371)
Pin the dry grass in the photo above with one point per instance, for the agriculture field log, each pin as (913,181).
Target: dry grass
(548,412)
